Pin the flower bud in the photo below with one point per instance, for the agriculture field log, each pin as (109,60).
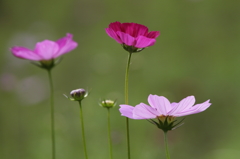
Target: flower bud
(78,94)
(107,103)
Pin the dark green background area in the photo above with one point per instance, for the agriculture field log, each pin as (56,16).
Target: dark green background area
(197,53)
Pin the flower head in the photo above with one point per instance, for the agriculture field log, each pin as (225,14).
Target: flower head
(163,110)
(46,50)
(133,37)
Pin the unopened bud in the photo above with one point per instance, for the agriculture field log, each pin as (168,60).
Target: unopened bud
(108,103)
(78,94)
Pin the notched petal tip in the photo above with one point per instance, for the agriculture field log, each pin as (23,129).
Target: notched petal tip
(153,34)
(69,35)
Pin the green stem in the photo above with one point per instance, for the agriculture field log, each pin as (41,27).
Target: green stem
(126,101)
(52,114)
(166,145)
(83,134)
(109,135)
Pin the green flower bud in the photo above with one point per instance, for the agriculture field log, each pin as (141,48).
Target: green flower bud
(108,103)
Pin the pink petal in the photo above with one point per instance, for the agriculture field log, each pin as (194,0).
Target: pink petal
(46,49)
(127,28)
(135,29)
(200,107)
(116,26)
(126,111)
(184,105)
(65,44)
(160,103)
(113,35)
(143,42)
(25,53)
(195,109)
(153,34)
(143,111)
(174,104)
(126,38)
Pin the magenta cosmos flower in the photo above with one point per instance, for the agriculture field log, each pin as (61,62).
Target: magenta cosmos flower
(161,107)
(46,50)
(134,37)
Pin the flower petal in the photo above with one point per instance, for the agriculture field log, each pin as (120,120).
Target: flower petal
(116,26)
(184,105)
(174,104)
(25,53)
(126,38)
(113,35)
(126,111)
(195,109)
(142,42)
(153,34)
(143,111)
(46,49)
(66,44)
(160,103)
(135,29)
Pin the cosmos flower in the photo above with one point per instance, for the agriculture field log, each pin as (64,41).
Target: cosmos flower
(133,37)
(160,107)
(46,50)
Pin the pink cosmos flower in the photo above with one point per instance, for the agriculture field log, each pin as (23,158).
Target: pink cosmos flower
(46,50)
(132,34)
(160,108)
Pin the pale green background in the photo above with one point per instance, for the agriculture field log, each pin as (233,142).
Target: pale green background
(197,53)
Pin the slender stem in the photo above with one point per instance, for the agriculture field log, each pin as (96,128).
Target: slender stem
(52,114)
(126,101)
(109,135)
(126,77)
(166,145)
(83,134)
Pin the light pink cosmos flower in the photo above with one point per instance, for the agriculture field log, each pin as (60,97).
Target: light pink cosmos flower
(132,34)
(161,107)
(46,50)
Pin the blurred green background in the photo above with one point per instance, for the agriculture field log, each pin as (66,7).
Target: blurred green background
(197,53)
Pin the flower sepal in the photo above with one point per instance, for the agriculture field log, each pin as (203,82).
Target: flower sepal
(47,64)
(132,49)
(166,123)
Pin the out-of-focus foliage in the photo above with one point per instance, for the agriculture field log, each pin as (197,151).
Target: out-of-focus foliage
(197,53)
